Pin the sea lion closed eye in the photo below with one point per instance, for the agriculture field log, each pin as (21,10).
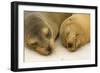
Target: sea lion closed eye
(41,30)
(75,31)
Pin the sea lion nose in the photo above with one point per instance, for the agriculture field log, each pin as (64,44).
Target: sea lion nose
(70,45)
(49,49)
(71,42)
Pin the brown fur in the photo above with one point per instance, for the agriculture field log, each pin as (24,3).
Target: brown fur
(75,31)
(41,29)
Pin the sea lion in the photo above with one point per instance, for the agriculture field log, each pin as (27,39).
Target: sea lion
(41,30)
(75,31)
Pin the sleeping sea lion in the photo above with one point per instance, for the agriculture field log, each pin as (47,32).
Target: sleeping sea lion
(41,30)
(75,31)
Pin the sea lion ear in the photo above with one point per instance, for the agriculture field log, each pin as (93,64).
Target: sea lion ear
(45,30)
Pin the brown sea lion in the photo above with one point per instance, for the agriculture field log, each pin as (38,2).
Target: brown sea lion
(41,30)
(75,31)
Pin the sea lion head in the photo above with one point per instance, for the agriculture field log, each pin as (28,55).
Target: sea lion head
(71,35)
(38,35)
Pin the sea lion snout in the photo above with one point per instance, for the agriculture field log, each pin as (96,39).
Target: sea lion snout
(44,51)
(47,50)
(72,41)
(41,45)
